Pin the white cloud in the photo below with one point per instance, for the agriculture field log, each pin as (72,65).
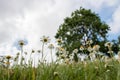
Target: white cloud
(31,19)
(115,22)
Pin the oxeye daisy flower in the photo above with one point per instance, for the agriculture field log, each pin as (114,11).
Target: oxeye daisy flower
(111,52)
(60,49)
(81,48)
(7,63)
(38,51)
(67,61)
(62,56)
(18,54)
(108,44)
(45,39)
(55,73)
(8,57)
(8,60)
(75,51)
(59,41)
(51,46)
(90,49)
(33,51)
(96,47)
(21,42)
(89,42)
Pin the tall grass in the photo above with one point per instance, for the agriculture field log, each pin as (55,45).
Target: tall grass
(87,70)
(64,68)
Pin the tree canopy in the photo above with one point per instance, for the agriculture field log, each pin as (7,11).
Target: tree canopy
(81,26)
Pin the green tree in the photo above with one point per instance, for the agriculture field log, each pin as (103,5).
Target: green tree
(83,25)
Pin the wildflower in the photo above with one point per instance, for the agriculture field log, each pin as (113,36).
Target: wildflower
(25,53)
(16,58)
(60,49)
(38,51)
(108,44)
(81,48)
(89,49)
(62,56)
(89,42)
(96,47)
(75,51)
(51,46)
(71,56)
(110,52)
(67,61)
(23,58)
(108,70)
(21,43)
(55,74)
(92,56)
(7,63)
(33,51)
(8,57)
(45,39)
(18,54)
(59,41)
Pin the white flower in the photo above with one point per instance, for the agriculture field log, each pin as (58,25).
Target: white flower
(56,74)
(81,48)
(111,52)
(51,46)
(67,61)
(100,53)
(59,41)
(96,47)
(75,51)
(21,42)
(45,39)
(89,42)
(92,56)
(90,49)
(62,56)
(119,53)
(108,44)
(60,49)
(71,56)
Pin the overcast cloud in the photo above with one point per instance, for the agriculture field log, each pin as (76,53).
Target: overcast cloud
(31,19)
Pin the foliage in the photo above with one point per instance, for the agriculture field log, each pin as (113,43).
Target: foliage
(83,25)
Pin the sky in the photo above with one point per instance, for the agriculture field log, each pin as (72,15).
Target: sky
(31,19)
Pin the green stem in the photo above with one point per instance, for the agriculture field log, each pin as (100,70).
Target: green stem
(42,51)
(51,56)
(21,55)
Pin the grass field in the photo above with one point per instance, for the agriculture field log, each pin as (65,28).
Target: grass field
(87,70)
(63,68)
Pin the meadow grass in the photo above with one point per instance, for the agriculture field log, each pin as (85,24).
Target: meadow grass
(64,68)
(86,70)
